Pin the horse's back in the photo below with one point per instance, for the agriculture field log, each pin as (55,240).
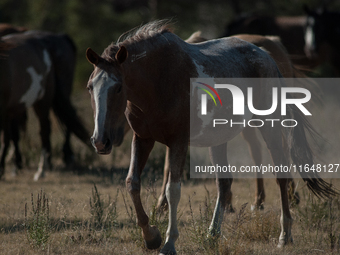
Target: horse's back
(232,57)
(60,49)
(229,58)
(30,68)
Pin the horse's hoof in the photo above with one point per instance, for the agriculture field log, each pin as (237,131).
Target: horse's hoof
(229,209)
(168,253)
(38,175)
(155,241)
(257,207)
(283,242)
(168,249)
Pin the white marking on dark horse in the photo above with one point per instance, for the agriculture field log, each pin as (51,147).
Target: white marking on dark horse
(47,61)
(32,94)
(36,90)
(309,36)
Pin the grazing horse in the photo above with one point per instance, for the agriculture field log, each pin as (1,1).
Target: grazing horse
(146,78)
(39,69)
(322,34)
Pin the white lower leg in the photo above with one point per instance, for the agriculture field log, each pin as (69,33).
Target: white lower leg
(173,195)
(286,226)
(43,164)
(215,226)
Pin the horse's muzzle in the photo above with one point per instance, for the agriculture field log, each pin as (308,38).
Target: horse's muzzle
(102,147)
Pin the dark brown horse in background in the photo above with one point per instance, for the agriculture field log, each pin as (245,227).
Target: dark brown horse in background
(322,35)
(291,31)
(38,71)
(19,122)
(147,77)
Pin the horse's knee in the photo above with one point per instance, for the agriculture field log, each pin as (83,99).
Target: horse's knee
(132,185)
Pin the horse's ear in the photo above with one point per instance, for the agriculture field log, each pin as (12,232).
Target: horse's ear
(92,57)
(121,55)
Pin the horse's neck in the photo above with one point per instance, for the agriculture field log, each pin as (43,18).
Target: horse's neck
(154,75)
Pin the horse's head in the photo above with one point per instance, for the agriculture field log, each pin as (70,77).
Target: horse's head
(108,98)
(315,31)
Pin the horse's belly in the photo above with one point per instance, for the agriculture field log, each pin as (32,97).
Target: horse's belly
(217,131)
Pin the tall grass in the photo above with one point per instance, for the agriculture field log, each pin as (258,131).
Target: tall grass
(37,224)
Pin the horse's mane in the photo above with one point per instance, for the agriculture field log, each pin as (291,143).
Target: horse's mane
(148,30)
(137,34)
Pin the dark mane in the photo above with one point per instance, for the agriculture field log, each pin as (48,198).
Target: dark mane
(137,34)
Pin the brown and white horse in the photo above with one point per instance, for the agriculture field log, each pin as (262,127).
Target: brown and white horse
(38,71)
(147,77)
(277,51)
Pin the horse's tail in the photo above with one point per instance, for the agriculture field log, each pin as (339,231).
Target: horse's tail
(302,154)
(62,106)
(68,118)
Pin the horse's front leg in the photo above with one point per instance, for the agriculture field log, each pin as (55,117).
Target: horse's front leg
(218,155)
(140,151)
(177,154)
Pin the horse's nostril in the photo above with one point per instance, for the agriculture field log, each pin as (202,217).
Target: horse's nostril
(108,143)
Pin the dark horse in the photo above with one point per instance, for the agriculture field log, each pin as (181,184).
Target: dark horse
(322,34)
(289,29)
(38,71)
(147,77)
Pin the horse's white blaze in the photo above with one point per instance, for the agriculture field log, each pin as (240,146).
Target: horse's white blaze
(309,35)
(34,91)
(101,84)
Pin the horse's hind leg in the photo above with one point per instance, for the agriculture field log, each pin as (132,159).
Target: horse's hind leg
(273,139)
(162,204)
(218,155)
(254,145)
(177,155)
(5,140)
(294,196)
(15,136)
(67,150)
(45,130)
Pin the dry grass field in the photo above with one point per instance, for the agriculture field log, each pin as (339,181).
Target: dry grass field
(88,211)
